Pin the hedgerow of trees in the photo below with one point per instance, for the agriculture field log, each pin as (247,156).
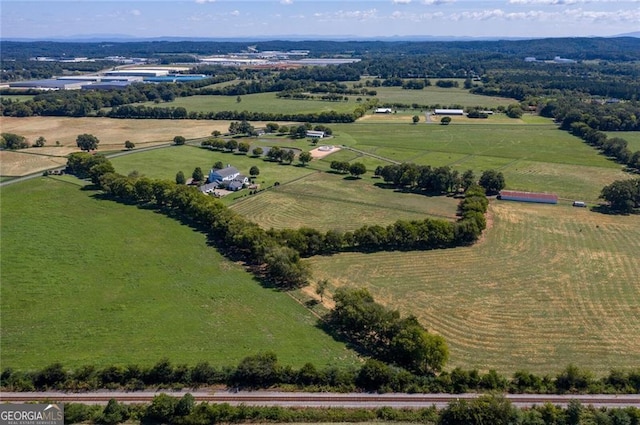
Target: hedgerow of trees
(263,370)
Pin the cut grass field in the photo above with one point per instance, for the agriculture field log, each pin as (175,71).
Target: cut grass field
(87,281)
(259,102)
(547,286)
(327,201)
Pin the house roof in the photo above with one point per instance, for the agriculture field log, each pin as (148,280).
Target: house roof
(235,184)
(227,171)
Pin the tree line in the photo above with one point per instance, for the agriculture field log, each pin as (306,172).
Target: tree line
(589,121)
(263,371)
(156,112)
(276,254)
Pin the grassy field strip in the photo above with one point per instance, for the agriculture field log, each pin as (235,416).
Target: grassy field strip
(101,283)
(257,102)
(578,302)
(326,201)
(432,95)
(536,143)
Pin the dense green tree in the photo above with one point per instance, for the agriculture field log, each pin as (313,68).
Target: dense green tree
(197,174)
(257,151)
(445,120)
(254,171)
(231,145)
(258,371)
(128,145)
(185,405)
(179,140)
(304,158)
(40,142)
(160,411)
(180,178)
(622,195)
(219,165)
(113,413)
(373,375)
(243,147)
(468,179)
(288,156)
(271,127)
(13,141)
(357,169)
(87,142)
(415,119)
(492,181)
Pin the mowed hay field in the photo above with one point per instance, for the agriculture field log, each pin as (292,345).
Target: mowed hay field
(93,282)
(327,201)
(547,286)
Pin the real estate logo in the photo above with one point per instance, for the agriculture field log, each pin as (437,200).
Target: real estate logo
(31,414)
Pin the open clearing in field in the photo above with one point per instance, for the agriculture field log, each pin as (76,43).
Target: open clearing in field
(92,282)
(548,286)
(258,102)
(23,162)
(327,201)
(434,95)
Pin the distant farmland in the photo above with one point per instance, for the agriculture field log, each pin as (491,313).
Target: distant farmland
(548,286)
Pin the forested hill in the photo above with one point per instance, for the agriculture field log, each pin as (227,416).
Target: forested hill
(612,49)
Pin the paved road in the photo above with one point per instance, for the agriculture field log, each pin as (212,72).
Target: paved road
(286,399)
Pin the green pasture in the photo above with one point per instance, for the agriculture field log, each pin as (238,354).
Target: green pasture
(90,281)
(327,201)
(16,97)
(165,163)
(548,285)
(259,102)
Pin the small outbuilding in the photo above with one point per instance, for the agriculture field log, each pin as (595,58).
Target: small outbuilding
(383,110)
(540,198)
(449,111)
(313,134)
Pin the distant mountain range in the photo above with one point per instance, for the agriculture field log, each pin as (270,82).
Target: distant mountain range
(123,38)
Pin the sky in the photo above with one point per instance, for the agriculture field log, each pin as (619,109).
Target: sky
(48,19)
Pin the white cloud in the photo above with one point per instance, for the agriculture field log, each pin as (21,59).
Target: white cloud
(400,1)
(235,13)
(286,1)
(360,15)
(135,12)
(557,16)
(205,1)
(437,2)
